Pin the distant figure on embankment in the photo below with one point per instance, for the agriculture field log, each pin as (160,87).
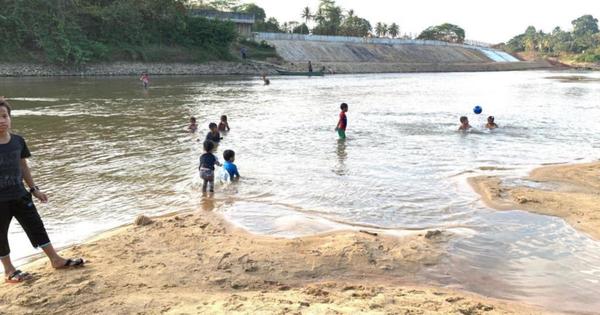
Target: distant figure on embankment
(310,69)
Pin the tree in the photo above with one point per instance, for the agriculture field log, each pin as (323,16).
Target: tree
(445,32)
(393,30)
(252,9)
(301,29)
(329,18)
(355,26)
(380,29)
(307,15)
(585,25)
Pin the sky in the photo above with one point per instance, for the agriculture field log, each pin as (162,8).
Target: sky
(486,21)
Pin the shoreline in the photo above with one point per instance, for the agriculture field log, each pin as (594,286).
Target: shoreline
(199,263)
(567,191)
(252,68)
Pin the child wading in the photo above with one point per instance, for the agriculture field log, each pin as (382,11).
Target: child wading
(224,125)
(145,78)
(193,125)
(229,156)
(213,135)
(343,122)
(207,166)
(16,201)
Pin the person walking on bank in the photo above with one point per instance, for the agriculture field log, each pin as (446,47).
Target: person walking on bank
(17,202)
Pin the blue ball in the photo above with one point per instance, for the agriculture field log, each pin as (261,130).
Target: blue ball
(477,109)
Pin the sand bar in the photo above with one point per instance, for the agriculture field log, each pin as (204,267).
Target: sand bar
(198,264)
(571,192)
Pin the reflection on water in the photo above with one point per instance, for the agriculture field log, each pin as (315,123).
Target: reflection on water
(106,150)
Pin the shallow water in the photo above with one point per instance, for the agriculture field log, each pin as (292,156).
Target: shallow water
(106,151)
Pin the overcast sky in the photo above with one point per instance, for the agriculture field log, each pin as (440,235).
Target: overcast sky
(488,21)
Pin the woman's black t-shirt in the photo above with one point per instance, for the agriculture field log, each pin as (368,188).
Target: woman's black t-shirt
(11,176)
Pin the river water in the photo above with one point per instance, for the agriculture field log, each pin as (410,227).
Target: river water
(106,150)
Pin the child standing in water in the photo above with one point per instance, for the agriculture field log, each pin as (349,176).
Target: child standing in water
(224,125)
(145,78)
(464,124)
(207,167)
(193,125)
(342,122)
(213,135)
(229,156)
(490,123)
(16,201)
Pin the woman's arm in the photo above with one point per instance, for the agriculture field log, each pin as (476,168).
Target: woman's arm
(30,183)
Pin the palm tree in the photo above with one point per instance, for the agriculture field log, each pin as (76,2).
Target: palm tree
(307,14)
(380,29)
(393,30)
(350,14)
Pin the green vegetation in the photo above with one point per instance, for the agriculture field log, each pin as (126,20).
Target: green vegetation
(73,32)
(446,32)
(257,51)
(582,44)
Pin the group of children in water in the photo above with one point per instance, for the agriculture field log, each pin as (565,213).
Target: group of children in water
(208,160)
(465,126)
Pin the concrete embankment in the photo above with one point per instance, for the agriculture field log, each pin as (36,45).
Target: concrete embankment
(136,68)
(355,57)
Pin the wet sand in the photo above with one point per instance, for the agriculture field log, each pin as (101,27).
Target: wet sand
(571,192)
(198,264)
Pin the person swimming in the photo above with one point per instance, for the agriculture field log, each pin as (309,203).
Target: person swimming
(490,123)
(464,124)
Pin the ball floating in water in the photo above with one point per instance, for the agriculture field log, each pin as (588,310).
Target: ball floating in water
(477,109)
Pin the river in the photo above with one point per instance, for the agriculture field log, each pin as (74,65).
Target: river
(106,150)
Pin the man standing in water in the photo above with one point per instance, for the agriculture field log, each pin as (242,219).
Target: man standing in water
(343,122)
(17,202)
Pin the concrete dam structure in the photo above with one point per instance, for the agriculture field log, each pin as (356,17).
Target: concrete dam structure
(360,55)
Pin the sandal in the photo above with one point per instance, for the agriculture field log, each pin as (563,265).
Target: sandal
(17,277)
(71,263)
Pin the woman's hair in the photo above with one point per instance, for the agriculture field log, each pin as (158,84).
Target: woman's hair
(224,118)
(344,105)
(208,146)
(212,125)
(228,155)
(4,103)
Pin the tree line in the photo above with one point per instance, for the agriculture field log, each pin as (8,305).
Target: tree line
(583,41)
(329,18)
(72,32)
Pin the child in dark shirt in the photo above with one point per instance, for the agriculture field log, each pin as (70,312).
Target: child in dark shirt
(16,201)
(213,135)
(207,166)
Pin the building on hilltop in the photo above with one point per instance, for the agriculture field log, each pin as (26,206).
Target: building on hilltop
(243,22)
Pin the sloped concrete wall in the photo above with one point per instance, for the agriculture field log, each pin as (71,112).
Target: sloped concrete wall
(336,52)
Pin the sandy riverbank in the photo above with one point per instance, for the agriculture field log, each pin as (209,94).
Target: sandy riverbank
(570,192)
(197,264)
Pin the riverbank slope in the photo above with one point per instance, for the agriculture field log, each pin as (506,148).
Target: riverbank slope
(197,264)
